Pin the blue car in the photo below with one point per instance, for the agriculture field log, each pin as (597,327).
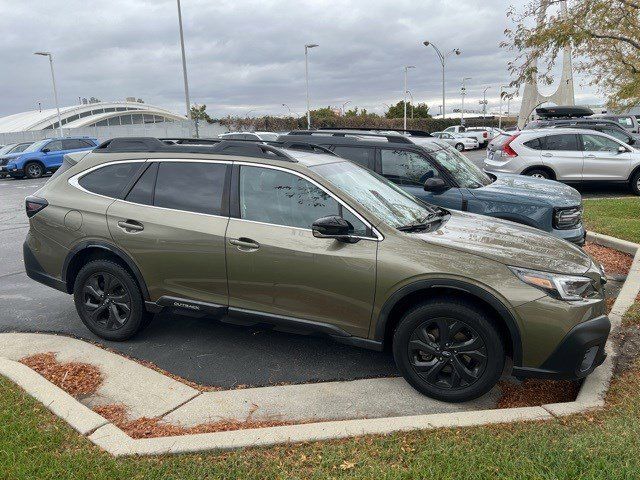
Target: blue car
(45,156)
(11,151)
(438,174)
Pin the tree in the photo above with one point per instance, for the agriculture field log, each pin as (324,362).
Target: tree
(604,35)
(420,110)
(199,112)
(356,112)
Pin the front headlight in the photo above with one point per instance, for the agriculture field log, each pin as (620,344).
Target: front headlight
(567,218)
(562,287)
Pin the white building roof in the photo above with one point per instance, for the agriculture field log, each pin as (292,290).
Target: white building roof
(87,114)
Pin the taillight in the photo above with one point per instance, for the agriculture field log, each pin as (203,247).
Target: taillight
(34,204)
(485,134)
(507,151)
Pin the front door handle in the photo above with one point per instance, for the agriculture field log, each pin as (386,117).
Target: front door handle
(547,154)
(591,155)
(130,226)
(244,244)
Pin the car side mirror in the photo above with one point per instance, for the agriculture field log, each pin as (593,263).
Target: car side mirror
(435,185)
(45,150)
(333,226)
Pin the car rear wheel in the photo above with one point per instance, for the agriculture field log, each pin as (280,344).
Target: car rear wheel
(33,170)
(460,147)
(448,350)
(538,173)
(635,183)
(109,301)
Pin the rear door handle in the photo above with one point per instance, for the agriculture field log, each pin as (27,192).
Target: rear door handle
(547,154)
(591,155)
(130,226)
(244,243)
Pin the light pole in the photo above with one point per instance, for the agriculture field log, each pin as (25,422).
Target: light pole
(500,111)
(484,103)
(344,105)
(463,92)
(406,69)
(306,76)
(412,103)
(184,64)
(442,58)
(55,90)
(287,107)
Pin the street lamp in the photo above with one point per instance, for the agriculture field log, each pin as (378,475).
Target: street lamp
(463,92)
(287,107)
(184,64)
(55,90)
(306,75)
(406,69)
(484,103)
(344,105)
(500,111)
(442,58)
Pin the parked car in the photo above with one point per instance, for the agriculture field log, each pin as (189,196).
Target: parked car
(46,156)
(588,123)
(491,131)
(481,136)
(568,155)
(436,173)
(457,140)
(262,136)
(308,240)
(628,122)
(8,152)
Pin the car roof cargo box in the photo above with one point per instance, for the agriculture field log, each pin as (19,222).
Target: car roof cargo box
(564,112)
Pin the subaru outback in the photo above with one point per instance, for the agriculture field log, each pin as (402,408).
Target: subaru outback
(305,240)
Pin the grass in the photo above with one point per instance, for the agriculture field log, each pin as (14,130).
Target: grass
(618,217)
(35,444)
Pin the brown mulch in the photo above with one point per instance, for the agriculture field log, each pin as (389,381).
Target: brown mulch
(612,260)
(534,392)
(75,378)
(153,427)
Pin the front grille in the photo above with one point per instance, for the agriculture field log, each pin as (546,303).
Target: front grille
(567,218)
(3,161)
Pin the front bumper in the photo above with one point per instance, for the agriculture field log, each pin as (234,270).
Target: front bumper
(577,355)
(576,236)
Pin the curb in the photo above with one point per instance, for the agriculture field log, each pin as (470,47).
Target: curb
(113,440)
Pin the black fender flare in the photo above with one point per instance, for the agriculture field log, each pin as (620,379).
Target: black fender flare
(474,290)
(110,248)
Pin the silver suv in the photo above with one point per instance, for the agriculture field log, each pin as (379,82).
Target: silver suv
(569,155)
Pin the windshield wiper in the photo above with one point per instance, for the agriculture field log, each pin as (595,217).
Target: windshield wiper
(423,224)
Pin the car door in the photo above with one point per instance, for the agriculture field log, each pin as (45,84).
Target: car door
(276,266)
(410,169)
(563,154)
(52,154)
(172,224)
(603,159)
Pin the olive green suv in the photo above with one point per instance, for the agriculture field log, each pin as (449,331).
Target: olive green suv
(302,239)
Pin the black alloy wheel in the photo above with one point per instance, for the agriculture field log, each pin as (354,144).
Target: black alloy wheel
(106,301)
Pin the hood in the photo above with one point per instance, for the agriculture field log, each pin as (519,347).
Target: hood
(10,156)
(509,243)
(548,191)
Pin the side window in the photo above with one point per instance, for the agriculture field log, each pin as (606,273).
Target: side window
(142,191)
(566,142)
(619,134)
(73,144)
(54,146)
(191,186)
(597,143)
(110,180)
(406,168)
(281,198)
(360,155)
(535,143)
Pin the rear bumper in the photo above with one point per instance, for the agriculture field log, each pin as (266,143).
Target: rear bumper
(36,272)
(580,353)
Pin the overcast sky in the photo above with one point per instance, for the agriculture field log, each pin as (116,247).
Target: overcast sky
(247,57)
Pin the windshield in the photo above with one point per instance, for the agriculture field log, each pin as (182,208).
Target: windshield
(6,149)
(465,173)
(34,147)
(377,194)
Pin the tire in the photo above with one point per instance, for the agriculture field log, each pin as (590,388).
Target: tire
(33,170)
(538,173)
(635,183)
(460,147)
(447,369)
(108,301)
(3,175)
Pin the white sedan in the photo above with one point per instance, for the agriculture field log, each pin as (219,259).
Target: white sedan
(457,140)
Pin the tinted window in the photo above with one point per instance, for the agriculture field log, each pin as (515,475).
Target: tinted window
(109,180)
(406,168)
(142,191)
(54,146)
(561,142)
(362,156)
(619,134)
(281,198)
(190,186)
(597,143)
(74,144)
(536,143)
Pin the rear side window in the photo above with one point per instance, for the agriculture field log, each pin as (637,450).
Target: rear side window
(110,180)
(566,142)
(536,143)
(191,186)
(359,155)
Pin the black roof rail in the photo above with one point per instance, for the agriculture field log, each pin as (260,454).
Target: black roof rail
(191,141)
(415,133)
(560,111)
(351,133)
(305,146)
(220,147)
(293,145)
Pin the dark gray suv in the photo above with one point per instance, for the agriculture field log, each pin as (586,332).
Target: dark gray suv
(438,174)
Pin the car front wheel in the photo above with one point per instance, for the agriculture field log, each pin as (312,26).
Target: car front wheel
(448,350)
(459,147)
(635,183)
(33,170)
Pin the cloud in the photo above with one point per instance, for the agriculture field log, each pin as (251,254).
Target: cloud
(248,56)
